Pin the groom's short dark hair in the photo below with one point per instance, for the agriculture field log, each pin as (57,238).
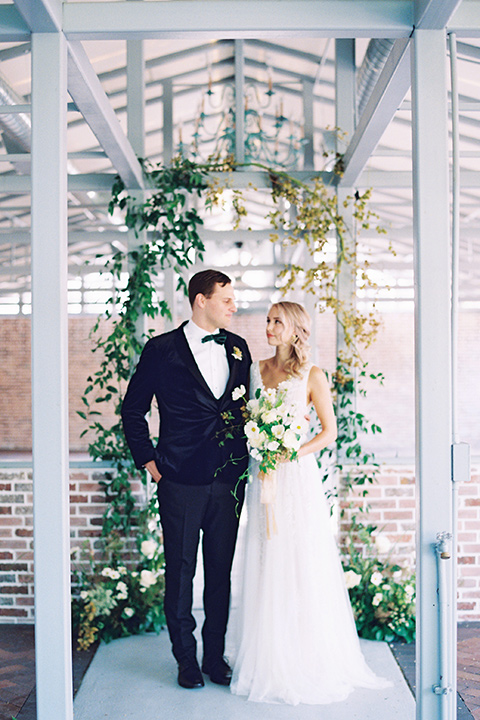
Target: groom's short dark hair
(204,282)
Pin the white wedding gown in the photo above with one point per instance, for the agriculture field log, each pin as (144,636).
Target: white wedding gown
(292,633)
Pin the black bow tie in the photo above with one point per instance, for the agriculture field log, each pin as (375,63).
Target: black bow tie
(220,338)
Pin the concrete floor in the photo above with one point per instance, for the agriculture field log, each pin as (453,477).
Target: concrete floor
(135,679)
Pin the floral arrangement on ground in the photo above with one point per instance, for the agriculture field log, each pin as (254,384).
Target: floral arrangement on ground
(382,593)
(119,597)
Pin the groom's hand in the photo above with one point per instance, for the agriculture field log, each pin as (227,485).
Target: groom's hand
(151,467)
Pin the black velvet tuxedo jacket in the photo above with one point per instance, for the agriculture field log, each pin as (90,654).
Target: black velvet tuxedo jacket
(192,420)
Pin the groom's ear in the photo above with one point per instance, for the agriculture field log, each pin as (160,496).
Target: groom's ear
(200,300)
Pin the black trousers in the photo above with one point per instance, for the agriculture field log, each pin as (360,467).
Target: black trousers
(184,511)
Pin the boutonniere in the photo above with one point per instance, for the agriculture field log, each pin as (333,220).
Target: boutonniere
(237,353)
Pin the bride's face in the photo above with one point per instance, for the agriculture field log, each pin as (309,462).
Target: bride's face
(279,330)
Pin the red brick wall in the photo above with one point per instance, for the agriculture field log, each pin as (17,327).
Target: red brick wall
(392,503)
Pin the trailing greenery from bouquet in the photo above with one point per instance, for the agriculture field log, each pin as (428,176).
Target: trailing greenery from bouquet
(122,594)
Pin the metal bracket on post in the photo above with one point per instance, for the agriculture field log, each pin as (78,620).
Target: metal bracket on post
(443,549)
(461,462)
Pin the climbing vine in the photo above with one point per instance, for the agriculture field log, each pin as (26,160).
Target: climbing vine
(300,212)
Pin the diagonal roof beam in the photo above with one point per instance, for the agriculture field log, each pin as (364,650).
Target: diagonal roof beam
(91,100)
(41,15)
(237,19)
(387,96)
(390,89)
(13,27)
(434,14)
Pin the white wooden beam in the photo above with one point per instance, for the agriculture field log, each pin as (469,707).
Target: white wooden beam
(13,27)
(41,15)
(465,22)
(91,100)
(238,19)
(388,93)
(53,652)
(434,14)
(432,366)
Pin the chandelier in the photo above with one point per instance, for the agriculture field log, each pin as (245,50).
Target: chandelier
(269,136)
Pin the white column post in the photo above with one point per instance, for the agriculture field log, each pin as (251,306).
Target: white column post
(239,102)
(432,342)
(50,377)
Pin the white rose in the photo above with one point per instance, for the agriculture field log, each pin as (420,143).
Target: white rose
(106,572)
(253,406)
(270,416)
(278,431)
(122,587)
(409,592)
(376,578)
(147,578)
(255,453)
(84,594)
(290,440)
(352,579)
(122,570)
(148,548)
(129,612)
(273,445)
(383,544)
(377,599)
(239,392)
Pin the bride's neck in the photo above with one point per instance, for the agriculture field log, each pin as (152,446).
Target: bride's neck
(281,357)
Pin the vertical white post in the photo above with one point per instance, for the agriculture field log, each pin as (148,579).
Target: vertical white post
(432,343)
(345,121)
(239,102)
(50,377)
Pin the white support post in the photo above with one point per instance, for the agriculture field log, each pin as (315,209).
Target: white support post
(50,377)
(345,121)
(434,695)
(239,102)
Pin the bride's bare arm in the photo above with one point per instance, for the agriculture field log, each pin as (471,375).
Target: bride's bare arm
(319,395)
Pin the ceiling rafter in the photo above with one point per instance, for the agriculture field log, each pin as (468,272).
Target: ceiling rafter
(237,19)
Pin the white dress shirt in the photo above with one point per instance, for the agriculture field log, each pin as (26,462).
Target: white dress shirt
(210,357)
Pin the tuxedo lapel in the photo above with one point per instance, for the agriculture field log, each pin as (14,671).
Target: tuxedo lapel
(233,364)
(186,356)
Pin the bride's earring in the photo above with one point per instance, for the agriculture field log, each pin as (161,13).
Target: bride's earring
(294,339)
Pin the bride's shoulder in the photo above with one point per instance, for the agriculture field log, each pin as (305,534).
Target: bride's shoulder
(317,377)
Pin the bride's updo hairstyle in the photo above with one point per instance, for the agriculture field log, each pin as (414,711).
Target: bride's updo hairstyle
(298,318)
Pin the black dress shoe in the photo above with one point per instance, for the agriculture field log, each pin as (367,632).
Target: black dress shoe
(189,676)
(219,670)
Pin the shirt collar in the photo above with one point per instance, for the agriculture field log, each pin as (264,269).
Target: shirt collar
(194,332)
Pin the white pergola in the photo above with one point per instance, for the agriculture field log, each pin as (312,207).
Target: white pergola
(60,63)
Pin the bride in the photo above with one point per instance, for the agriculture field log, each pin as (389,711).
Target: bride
(297,637)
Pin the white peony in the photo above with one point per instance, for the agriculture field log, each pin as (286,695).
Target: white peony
(376,578)
(383,544)
(239,392)
(352,579)
(377,599)
(147,578)
(148,548)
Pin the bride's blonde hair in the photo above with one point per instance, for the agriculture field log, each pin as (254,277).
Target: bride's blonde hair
(297,316)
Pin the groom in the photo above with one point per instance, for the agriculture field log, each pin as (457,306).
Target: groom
(191,371)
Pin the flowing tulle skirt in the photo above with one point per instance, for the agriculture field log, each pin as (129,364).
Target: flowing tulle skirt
(293,634)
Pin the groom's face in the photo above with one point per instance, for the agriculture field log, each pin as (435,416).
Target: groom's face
(220,306)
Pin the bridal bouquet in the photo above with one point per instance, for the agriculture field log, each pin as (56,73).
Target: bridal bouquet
(274,429)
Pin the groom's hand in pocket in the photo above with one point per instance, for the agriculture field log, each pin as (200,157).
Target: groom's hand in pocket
(151,468)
